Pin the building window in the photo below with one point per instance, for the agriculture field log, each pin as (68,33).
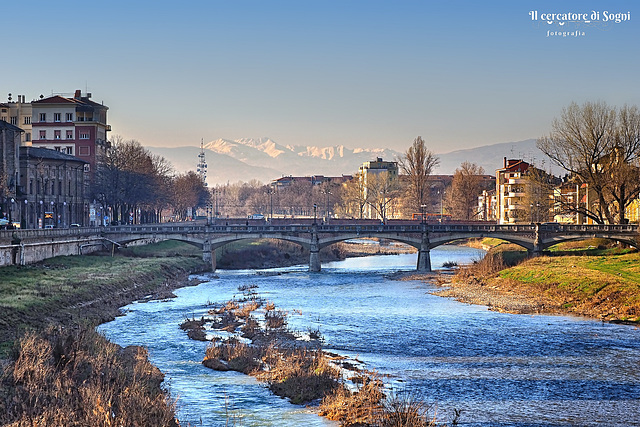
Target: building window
(28,136)
(27,120)
(53,188)
(84,151)
(69,134)
(59,187)
(87,167)
(70,150)
(14,120)
(57,149)
(56,134)
(57,117)
(31,187)
(84,136)
(43,117)
(69,117)
(43,134)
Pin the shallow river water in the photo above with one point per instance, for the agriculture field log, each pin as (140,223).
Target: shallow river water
(498,369)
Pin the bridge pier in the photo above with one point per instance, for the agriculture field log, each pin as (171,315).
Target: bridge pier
(209,255)
(314,251)
(424,253)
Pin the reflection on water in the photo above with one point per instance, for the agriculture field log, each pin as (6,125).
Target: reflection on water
(499,369)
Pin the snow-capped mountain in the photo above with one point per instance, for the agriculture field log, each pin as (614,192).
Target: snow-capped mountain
(265,160)
(297,159)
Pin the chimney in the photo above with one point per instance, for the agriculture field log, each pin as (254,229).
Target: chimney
(505,163)
(77,94)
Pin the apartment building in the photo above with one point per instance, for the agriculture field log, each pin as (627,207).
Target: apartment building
(18,113)
(369,173)
(520,199)
(76,126)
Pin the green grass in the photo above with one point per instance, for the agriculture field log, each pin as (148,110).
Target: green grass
(163,249)
(58,289)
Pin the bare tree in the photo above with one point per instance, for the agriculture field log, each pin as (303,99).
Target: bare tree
(599,146)
(418,163)
(382,190)
(466,186)
(352,196)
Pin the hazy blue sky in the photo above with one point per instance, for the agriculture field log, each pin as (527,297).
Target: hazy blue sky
(360,73)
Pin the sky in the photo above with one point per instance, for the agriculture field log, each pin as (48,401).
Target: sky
(359,73)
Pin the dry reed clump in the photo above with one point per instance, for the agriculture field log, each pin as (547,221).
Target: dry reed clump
(358,408)
(233,355)
(275,320)
(492,263)
(81,379)
(245,310)
(369,405)
(300,374)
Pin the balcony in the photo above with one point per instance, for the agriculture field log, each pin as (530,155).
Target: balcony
(513,181)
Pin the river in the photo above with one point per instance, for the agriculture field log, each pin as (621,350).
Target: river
(498,369)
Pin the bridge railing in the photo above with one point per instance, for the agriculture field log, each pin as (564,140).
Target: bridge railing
(321,228)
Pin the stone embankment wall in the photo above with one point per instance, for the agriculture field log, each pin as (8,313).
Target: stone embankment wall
(27,248)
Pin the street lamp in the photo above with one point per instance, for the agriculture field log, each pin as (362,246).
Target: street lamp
(424,214)
(270,191)
(315,213)
(328,194)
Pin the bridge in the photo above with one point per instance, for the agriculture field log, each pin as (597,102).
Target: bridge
(424,237)
(25,246)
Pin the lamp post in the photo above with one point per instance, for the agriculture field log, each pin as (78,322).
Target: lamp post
(328,194)
(441,192)
(315,213)
(424,214)
(270,191)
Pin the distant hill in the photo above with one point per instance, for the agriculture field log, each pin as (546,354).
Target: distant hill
(265,160)
(490,157)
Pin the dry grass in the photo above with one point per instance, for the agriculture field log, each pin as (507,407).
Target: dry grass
(275,320)
(235,355)
(359,408)
(80,379)
(301,375)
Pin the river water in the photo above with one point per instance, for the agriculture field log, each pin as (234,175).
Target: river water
(498,369)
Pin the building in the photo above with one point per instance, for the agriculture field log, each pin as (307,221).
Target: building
(18,114)
(52,189)
(75,126)
(487,205)
(312,180)
(10,136)
(386,206)
(520,198)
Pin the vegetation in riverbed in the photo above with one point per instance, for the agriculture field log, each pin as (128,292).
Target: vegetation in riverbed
(299,369)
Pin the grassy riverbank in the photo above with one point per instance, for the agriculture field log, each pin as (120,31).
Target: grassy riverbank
(593,278)
(54,368)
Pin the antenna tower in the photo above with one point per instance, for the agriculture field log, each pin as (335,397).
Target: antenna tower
(202,164)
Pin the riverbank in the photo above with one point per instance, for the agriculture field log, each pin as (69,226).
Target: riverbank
(54,368)
(594,280)
(271,253)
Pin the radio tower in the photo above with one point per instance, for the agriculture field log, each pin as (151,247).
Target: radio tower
(202,164)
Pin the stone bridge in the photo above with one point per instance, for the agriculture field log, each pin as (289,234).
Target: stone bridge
(534,237)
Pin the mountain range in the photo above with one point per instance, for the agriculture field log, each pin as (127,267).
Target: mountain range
(264,160)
